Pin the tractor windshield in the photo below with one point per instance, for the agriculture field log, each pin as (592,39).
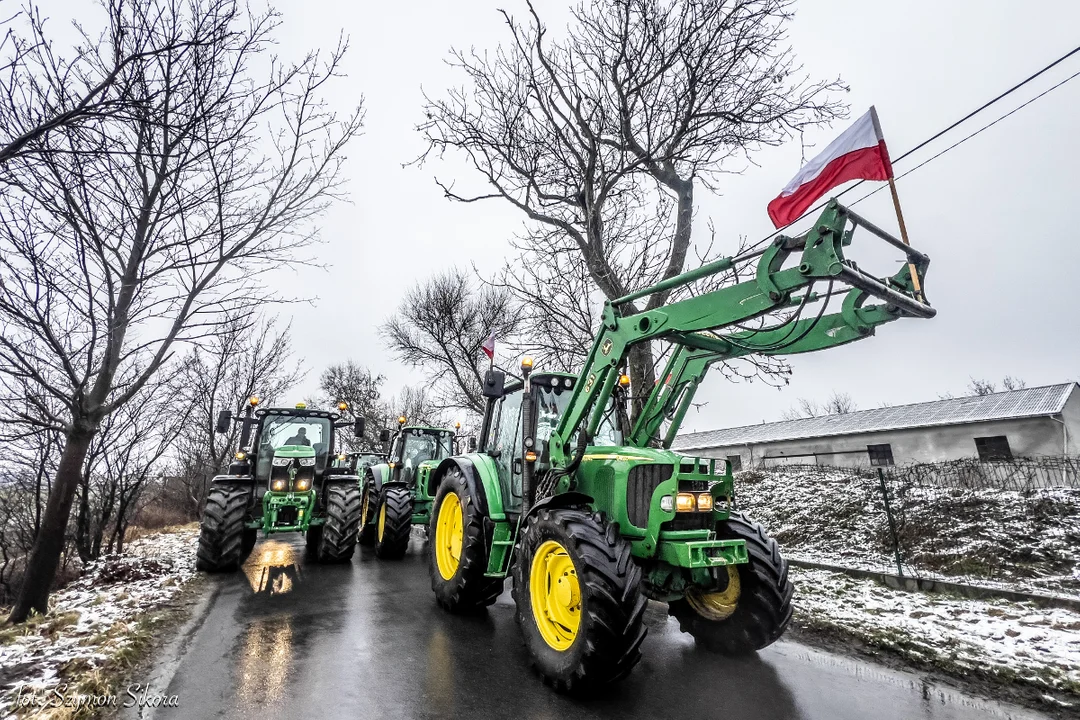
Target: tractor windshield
(550,405)
(281,430)
(365,461)
(421,445)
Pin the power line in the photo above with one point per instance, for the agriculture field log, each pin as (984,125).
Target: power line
(937,135)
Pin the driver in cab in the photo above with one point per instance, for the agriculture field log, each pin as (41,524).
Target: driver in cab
(300,438)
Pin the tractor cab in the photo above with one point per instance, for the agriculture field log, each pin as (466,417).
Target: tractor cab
(415,445)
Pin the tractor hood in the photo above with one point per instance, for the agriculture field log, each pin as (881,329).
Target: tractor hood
(295,451)
(622,454)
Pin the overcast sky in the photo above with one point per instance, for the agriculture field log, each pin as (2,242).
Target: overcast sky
(995,215)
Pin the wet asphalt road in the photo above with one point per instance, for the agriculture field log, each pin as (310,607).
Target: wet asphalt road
(287,640)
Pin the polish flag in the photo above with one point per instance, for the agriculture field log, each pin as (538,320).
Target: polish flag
(858,154)
(489,347)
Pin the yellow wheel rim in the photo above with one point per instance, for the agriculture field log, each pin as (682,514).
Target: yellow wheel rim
(364,508)
(382,520)
(718,605)
(555,595)
(449,532)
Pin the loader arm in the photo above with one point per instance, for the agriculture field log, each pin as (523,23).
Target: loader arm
(693,324)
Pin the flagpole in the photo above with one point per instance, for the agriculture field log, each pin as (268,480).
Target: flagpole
(915,284)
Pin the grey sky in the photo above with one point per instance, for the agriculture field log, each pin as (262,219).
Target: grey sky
(996,215)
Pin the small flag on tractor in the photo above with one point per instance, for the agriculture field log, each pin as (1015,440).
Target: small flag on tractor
(489,347)
(858,154)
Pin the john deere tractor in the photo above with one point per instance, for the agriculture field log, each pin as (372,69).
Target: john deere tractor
(395,493)
(281,480)
(592,515)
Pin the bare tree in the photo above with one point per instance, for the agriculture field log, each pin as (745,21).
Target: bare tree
(600,137)
(248,357)
(838,403)
(419,407)
(354,384)
(441,326)
(128,234)
(42,91)
(1011,383)
(978,386)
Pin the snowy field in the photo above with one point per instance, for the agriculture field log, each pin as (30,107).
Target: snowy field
(1026,541)
(95,621)
(1008,641)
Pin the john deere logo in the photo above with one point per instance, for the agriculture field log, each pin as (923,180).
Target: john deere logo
(606,347)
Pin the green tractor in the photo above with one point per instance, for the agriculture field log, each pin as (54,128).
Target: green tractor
(395,493)
(592,515)
(282,479)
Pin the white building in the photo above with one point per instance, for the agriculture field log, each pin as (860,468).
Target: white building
(1019,423)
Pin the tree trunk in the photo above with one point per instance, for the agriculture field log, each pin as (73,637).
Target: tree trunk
(642,377)
(49,544)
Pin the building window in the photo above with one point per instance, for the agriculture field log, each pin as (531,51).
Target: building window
(880,455)
(735,461)
(993,448)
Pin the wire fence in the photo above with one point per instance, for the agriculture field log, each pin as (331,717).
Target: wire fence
(1008,525)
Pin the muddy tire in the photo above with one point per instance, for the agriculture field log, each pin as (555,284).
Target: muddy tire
(393,523)
(221,533)
(579,603)
(457,554)
(368,506)
(754,607)
(338,538)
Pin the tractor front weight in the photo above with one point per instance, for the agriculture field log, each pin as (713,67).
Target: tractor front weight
(285,512)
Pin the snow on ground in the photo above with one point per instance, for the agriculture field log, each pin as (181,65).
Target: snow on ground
(95,618)
(1028,541)
(1010,641)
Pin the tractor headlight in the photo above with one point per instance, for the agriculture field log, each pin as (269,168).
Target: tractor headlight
(277,485)
(279,462)
(307,462)
(667,503)
(704,502)
(303,484)
(685,502)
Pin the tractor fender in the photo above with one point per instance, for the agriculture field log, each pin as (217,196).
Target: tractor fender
(338,479)
(233,480)
(482,486)
(559,500)
(377,475)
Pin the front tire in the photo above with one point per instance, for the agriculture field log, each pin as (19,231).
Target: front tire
(753,608)
(221,533)
(579,604)
(367,516)
(338,538)
(393,524)
(457,554)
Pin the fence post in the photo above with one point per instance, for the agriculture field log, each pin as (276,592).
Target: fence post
(892,523)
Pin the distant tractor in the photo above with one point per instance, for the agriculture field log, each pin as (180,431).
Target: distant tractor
(591,515)
(394,491)
(281,480)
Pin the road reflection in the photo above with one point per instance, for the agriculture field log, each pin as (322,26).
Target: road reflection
(273,569)
(265,661)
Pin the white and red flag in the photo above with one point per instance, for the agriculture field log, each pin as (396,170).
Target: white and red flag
(858,154)
(489,347)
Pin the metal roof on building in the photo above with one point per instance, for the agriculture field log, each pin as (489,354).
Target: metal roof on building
(1029,402)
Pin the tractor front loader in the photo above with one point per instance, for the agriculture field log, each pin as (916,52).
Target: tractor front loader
(281,480)
(395,492)
(591,515)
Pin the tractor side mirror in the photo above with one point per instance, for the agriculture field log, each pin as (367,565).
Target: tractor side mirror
(224,419)
(493,383)
(384,436)
(358,427)
(472,443)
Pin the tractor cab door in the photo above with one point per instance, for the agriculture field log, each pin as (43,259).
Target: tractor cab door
(504,445)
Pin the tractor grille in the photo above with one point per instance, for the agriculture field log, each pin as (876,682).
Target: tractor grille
(641,483)
(690,521)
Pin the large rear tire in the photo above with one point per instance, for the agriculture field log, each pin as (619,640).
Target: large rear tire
(221,533)
(457,555)
(753,608)
(338,539)
(393,524)
(368,506)
(579,604)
